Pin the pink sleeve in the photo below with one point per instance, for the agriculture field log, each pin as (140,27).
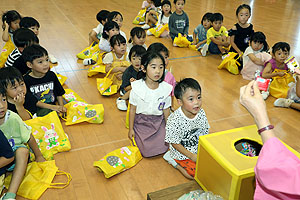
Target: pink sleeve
(169,78)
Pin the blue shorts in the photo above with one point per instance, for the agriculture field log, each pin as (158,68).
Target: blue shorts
(14,148)
(213,48)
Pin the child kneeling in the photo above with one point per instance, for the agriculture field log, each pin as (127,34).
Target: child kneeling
(184,127)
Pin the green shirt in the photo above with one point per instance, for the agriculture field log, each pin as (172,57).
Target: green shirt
(14,129)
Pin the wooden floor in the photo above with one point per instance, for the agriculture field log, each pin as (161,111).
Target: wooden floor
(65,25)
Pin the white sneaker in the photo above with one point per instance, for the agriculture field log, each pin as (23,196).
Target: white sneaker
(204,50)
(145,27)
(141,23)
(121,104)
(148,32)
(265,94)
(87,61)
(52,59)
(175,45)
(170,160)
(282,102)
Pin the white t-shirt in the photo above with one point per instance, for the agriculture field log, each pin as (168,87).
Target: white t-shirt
(124,35)
(185,131)
(163,20)
(109,58)
(130,45)
(248,51)
(99,29)
(104,45)
(148,101)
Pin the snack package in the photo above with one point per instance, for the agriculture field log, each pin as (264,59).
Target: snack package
(292,64)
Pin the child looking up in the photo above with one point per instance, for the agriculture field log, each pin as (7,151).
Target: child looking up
(110,29)
(255,56)
(19,100)
(241,31)
(118,18)
(201,31)
(150,103)
(23,37)
(43,83)
(18,135)
(217,37)
(130,75)
(179,21)
(137,37)
(184,127)
(276,67)
(96,34)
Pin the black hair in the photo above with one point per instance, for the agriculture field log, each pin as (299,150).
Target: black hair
(113,14)
(185,84)
(177,0)
(102,15)
(10,16)
(137,51)
(164,3)
(157,3)
(27,22)
(2,91)
(146,59)
(217,17)
(242,7)
(138,32)
(206,16)
(107,27)
(281,46)
(33,52)
(117,39)
(260,38)
(10,75)
(158,47)
(24,37)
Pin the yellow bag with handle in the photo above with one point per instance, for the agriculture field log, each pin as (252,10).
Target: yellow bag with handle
(38,178)
(182,41)
(89,51)
(70,95)
(127,116)
(230,63)
(78,112)
(6,50)
(98,67)
(49,134)
(159,29)
(279,86)
(105,85)
(140,17)
(119,160)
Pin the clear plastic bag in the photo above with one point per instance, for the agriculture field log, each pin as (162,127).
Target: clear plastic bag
(200,195)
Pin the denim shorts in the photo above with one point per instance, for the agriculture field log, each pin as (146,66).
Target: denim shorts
(213,48)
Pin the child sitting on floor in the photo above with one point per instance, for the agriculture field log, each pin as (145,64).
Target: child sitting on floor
(130,75)
(118,18)
(184,127)
(137,37)
(18,135)
(200,31)
(42,82)
(217,37)
(96,34)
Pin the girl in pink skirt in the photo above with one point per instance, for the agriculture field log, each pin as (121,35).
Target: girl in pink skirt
(150,102)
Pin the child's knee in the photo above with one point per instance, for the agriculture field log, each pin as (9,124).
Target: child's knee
(22,153)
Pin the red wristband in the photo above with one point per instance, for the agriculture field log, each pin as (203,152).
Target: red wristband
(269,127)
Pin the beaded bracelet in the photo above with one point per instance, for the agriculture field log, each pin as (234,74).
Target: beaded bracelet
(269,127)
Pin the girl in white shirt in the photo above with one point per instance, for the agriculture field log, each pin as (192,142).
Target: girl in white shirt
(150,106)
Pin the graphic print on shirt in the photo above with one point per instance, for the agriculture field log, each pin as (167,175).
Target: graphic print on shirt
(180,24)
(161,104)
(191,139)
(44,92)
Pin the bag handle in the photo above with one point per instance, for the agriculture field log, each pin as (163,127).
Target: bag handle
(132,142)
(61,185)
(110,72)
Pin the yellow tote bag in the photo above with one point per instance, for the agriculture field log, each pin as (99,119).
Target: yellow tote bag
(159,29)
(279,86)
(230,63)
(6,50)
(70,95)
(78,112)
(140,17)
(98,67)
(119,160)
(127,116)
(49,135)
(105,85)
(61,78)
(89,51)
(182,41)
(38,178)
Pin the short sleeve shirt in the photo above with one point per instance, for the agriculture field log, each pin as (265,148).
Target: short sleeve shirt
(99,30)
(200,31)
(185,131)
(104,45)
(248,51)
(5,150)
(212,33)
(148,101)
(129,73)
(109,58)
(14,129)
(29,104)
(45,89)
